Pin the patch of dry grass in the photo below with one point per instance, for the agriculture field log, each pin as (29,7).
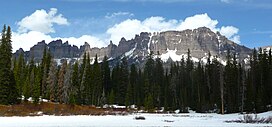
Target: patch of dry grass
(48,108)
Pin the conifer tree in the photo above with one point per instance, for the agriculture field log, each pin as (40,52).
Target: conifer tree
(189,82)
(122,87)
(87,82)
(251,85)
(133,78)
(97,82)
(140,89)
(111,97)
(129,95)
(222,88)
(158,85)
(149,106)
(8,90)
(182,87)
(173,87)
(36,87)
(61,84)
(149,77)
(52,81)
(26,85)
(115,76)
(45,64)
(67,88)
(19,73)
(106,75)
(74,95)
(32,80)
(199,85)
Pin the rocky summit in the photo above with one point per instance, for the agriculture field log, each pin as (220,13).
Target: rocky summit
(168,45)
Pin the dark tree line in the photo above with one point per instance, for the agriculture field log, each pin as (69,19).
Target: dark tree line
(209,87)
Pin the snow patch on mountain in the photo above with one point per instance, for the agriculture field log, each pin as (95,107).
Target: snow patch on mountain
(171,54)
(130,52)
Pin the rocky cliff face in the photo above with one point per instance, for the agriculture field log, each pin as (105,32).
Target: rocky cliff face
(57,48)
(169,45)
(200,41)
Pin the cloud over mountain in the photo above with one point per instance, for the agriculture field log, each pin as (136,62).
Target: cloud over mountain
(130,27)
(40,24)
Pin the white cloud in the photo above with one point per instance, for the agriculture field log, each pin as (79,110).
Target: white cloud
(159,24)
(130,27)
(231,33)
(41,21)
(29,39)
(93,41)
(127,29)
(228,31)
(116,14)
(199,20)
(235,38)
(37,26)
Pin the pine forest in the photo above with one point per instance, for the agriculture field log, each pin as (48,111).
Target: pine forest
(210,87)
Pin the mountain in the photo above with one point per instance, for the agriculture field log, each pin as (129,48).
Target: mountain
(58,49)
(169,45)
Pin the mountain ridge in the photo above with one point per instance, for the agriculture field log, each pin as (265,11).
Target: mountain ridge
(167,45)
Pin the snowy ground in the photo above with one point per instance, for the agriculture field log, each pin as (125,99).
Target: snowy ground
(183,120)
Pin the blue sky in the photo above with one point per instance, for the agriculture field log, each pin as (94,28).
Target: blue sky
(248,22)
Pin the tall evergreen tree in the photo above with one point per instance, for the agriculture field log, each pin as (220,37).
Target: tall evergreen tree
(67,88)
(45,64)
(133,78)
(129,95)
(19,73)
(148,77)
(52,81)
(149,106)
(26,85)
(115,76)
(36,87)
(97,82)
(61,82)
(159,86)
(199,83)
(8,90)
(87,82)
(189,82)
(106,75)
(75,95)
(122,86)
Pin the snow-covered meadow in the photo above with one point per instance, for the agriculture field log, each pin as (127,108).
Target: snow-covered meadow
(183,120)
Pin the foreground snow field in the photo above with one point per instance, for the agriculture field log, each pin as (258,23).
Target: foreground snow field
(184,120)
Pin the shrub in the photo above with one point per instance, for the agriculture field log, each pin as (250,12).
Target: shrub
(252,119)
